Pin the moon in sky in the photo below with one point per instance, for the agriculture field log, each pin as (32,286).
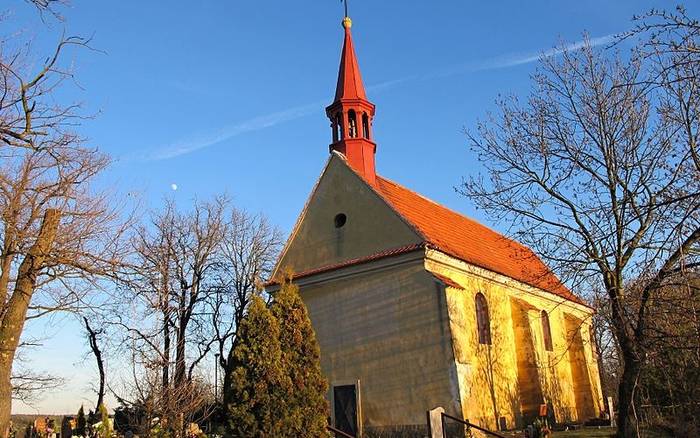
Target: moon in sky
(173,186)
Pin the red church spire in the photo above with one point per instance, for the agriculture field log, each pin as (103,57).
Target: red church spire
(351,113)
(350,84)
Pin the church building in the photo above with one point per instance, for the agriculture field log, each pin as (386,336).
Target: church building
(416,306)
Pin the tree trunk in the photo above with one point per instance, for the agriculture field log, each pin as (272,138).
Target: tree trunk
(165,306)
(166,353)
(227,366)
(15,315)
(179,377)
(92,338)
(627,426)
(180,365)
(226,362)
(5,393)
(5,267)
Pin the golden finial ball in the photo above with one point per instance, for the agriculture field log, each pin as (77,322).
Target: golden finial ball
(347,23)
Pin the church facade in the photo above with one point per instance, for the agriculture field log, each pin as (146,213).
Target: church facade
(416,306)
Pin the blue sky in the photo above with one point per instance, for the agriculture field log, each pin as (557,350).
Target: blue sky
(229,96)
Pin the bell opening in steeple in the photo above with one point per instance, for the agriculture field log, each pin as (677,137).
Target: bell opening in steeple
(338,127)
(365,126)
(352,124)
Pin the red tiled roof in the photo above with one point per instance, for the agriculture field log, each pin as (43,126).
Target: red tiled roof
(470,241)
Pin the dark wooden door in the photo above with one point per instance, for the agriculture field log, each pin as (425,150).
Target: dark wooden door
(345,408)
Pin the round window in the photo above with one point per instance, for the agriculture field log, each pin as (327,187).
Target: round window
(340,220)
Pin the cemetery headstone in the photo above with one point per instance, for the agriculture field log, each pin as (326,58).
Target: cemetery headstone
(435,422)
(611,412)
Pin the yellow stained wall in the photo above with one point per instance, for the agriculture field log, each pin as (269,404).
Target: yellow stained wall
(530,389)
(489,374)
(371,226)
(388,329)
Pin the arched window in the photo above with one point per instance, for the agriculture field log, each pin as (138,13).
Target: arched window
(365,125)
(483,323)
(546,331)
(338,134)
(352,124)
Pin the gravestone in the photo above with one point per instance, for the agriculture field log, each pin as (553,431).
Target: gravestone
(611,412)
(435,422)
(66,427)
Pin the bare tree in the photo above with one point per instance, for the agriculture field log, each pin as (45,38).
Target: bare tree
(177,256)
(59,238)
(48,6)
(670,44)
(595,175)
(195,259)
(143,409)
(248,252)
(194,274)
(150,283)
(27,385)
(146,317)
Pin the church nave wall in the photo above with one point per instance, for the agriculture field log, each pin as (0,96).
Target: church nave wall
(517,372)
(389,330)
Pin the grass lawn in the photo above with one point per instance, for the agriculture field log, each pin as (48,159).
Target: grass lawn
(603,433)
(586,433)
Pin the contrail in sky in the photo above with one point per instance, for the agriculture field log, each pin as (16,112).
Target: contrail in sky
(190,145)
(516,59)
(196,143)
(520,59)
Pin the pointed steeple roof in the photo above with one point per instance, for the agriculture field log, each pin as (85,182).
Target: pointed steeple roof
(350,84)
(351,114)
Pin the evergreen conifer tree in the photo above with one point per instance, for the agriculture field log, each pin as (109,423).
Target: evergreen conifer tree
(256,407)
(306,407)
(81,423)
(105,430)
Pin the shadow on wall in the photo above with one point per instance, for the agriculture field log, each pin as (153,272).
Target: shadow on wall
(579,370)
(554,387)
(529,379)
(495,392)
(512,367)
